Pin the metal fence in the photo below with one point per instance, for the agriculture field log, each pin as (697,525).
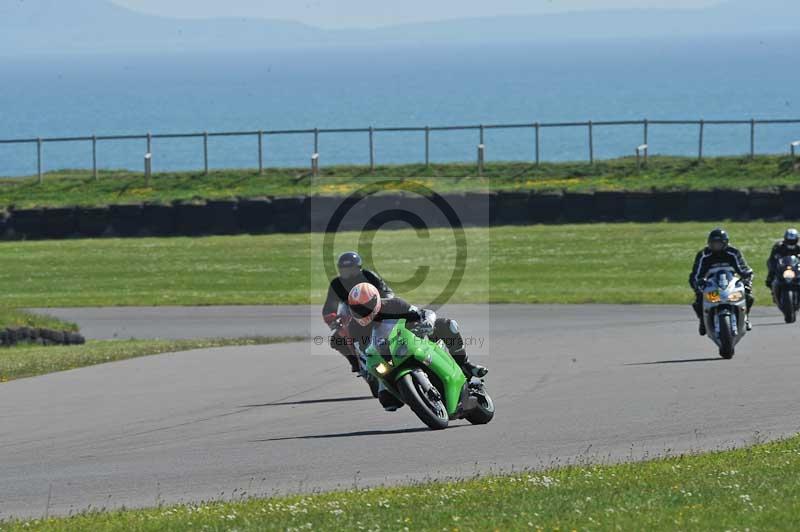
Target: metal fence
(314,136)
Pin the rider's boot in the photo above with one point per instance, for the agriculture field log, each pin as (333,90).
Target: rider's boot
(702,328)
(353,360)
(747,324)
(469,369)
(389,402)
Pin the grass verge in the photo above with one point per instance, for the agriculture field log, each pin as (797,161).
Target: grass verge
(749,489)
(29,361)
(76,187)
(598,263)
(12,318)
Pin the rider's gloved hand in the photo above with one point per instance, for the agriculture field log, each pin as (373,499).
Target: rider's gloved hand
(768,282)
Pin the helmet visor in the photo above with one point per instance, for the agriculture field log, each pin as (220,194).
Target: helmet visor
(349,271)
(362,311)
(716,245)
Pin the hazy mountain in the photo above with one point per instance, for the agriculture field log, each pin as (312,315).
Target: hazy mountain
(100,26)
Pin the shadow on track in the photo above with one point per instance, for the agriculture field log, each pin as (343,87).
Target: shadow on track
(348,434)
(313,402)
(683,361)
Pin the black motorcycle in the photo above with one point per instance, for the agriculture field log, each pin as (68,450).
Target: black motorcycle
(786,287)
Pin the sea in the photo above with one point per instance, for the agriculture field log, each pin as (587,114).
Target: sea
(711,78)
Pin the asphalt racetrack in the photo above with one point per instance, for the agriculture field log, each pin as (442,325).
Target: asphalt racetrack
(582,383)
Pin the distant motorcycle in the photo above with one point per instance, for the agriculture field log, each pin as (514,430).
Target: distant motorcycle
(340,328)
(786,287)
(724,309)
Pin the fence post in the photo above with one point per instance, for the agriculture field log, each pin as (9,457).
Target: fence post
(260,152)
(94,157)
(481,158)
(316,140)
(148,167)
(481,139)
(538,148)
(205,152)
(700,147)
(427,146)
(39,158)
(591,143)
(371,149)
(149,143)
(315,164)
(646,123)
(752,139)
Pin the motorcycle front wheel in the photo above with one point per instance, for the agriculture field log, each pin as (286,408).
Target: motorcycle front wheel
(726,349)
(788,306)
(423,399)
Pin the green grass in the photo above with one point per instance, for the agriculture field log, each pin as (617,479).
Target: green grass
(11,318)
(76,187)
(28,361)
(597,263)
(748,489)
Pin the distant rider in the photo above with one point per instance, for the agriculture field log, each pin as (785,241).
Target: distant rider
(351,273)
(719,253)
(368,309)
(783,248)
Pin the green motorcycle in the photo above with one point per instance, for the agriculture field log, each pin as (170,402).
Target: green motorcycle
(423,375)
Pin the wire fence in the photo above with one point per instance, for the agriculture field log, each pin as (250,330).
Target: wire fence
(536,128)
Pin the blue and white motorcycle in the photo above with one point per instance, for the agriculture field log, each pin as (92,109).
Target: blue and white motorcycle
(724,309)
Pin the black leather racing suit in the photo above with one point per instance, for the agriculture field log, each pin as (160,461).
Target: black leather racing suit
(707,259)
(779,250)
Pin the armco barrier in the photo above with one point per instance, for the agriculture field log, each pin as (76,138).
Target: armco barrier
(301,214)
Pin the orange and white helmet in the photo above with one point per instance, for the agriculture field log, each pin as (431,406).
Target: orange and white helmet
(365,303)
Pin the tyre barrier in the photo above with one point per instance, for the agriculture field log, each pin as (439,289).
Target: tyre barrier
(609,206)
(302,214)
(22,335)
(93,221)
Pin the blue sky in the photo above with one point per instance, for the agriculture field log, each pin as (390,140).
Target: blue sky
(369,13)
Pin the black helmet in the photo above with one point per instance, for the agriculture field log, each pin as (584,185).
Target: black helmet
(349,264)
(718,240)
(790,239)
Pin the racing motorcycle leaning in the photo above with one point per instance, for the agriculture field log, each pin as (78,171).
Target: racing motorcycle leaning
(786,287)
(423,375)
(724,309)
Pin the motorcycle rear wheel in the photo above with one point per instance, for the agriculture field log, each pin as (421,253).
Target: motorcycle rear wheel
(726,348)
(427,406)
